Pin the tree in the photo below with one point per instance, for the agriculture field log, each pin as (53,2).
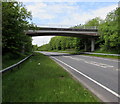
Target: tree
(109,31)
(35,47)
(44,47)
(14,23)
(94,22)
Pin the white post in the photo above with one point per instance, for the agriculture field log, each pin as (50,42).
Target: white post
(92,44)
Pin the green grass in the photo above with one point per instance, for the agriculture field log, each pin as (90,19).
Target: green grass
(107,51)
(8,61)
(44,82)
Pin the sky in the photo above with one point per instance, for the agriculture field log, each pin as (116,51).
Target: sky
(65,14)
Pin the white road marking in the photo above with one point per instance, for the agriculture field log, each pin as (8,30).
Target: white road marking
(91,62)
(99,64)
(109,90)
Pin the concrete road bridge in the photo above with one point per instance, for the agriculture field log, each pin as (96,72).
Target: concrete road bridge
(91,33)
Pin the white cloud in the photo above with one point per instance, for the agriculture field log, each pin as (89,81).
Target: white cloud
(43,11)
(51,12)
(81,18)
(39,10)
(104,11)
(68,0)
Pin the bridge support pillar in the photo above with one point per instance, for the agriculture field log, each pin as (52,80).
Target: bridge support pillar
(92,44)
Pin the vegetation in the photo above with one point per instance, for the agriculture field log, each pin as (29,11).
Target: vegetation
(34,83)
(109,31)
(109,41)
(63,43)
(9,60)
(15,43)
(14,39)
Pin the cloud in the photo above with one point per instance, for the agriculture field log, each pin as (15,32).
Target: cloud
(43,10)
(39,10)
(80,18)
(68,0)
(104,11)
(65,13)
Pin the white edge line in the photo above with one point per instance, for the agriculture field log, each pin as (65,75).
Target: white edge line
(114,93)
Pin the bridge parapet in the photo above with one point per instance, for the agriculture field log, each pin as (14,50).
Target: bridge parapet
(67,26)
(65,29)
(86,27)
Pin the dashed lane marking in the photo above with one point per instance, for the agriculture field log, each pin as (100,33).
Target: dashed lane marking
(90,62)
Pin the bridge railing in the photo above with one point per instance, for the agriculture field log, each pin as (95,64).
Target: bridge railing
(67,26)
(82,28)
(85,27)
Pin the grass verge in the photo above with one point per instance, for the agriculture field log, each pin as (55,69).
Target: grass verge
(40,79)
(7,60)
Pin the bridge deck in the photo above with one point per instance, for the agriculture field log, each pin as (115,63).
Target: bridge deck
(63,32)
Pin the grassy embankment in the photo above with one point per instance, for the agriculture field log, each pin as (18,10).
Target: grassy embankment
(40,79)
(10,62)
(9,59)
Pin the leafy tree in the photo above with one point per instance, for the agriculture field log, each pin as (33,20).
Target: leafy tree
(94,22)
(44,47)
(14,23)
(35,47)
(52,43)
(63,43)
(109,31)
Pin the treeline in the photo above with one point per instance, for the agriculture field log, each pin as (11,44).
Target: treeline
(62,43)
(15,42)
(108,29)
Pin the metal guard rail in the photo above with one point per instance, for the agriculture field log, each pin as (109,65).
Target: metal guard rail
(15,65)
(62,29)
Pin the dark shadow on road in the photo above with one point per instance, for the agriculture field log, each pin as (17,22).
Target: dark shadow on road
(64,54)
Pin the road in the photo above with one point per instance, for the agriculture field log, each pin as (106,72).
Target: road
(99,75)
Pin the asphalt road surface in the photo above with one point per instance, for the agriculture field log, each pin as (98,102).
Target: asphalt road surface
(99,75)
